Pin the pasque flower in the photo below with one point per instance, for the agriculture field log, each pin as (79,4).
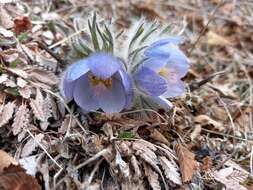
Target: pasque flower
(98,81)
(159,76)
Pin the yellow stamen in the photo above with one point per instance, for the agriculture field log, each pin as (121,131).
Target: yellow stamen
(95,81)
(164,72)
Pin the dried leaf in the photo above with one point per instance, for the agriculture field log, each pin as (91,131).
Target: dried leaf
(137,171)
(146,151)
(122,165)
(6,160)
(231,178)
(207,163)
(21,82)
(152,177)
(6,113)
(21,119)
(22,24)
(206,120)
(187,162)
(31,145)
(25,92)
(156,135)
(196,132)
(171,171)
(43,76)
(5,18)
(29,164)
(37,106)
(15,178)
(215,39)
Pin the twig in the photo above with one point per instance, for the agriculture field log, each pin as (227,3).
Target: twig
(93,158)
(43,148)
(196,85)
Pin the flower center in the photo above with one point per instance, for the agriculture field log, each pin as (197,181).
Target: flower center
(96,80)
(164,72)
(169,74)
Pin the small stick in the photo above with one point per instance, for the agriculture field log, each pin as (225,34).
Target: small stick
(195,85)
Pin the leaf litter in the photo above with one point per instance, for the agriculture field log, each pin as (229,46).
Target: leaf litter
(204,142)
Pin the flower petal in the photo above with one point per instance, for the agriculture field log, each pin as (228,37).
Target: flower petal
(83,94)
(110,100)
(174,89)
(155,63)
(103,65)
(180,66)
(128,86)
(163,102)
(154,48)
(76,70)
(150,82)
(67,89)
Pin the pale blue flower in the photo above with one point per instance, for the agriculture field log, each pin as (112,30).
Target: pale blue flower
(159,76)
(98,82)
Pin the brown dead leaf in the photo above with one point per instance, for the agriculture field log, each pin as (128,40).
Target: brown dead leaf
(15,178)
(6,160)
(207,163)
(22,24)
(43,76)
(156,135)
(187,162)
(214,39)
(206,120)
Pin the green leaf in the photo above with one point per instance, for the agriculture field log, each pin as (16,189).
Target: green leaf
(93,32)
(126,135)
(13,91)
(14,63)
(23,37)
(137,35)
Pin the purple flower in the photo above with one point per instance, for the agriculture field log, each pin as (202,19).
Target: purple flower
(98,81)
(160,74)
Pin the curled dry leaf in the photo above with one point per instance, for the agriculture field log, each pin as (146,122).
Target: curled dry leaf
(171,171)
(6,113)
(187,163)
(31,145)
(15,178)
(206,120)
(22,24)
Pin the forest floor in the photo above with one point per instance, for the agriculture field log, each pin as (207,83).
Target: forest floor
(205,142)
